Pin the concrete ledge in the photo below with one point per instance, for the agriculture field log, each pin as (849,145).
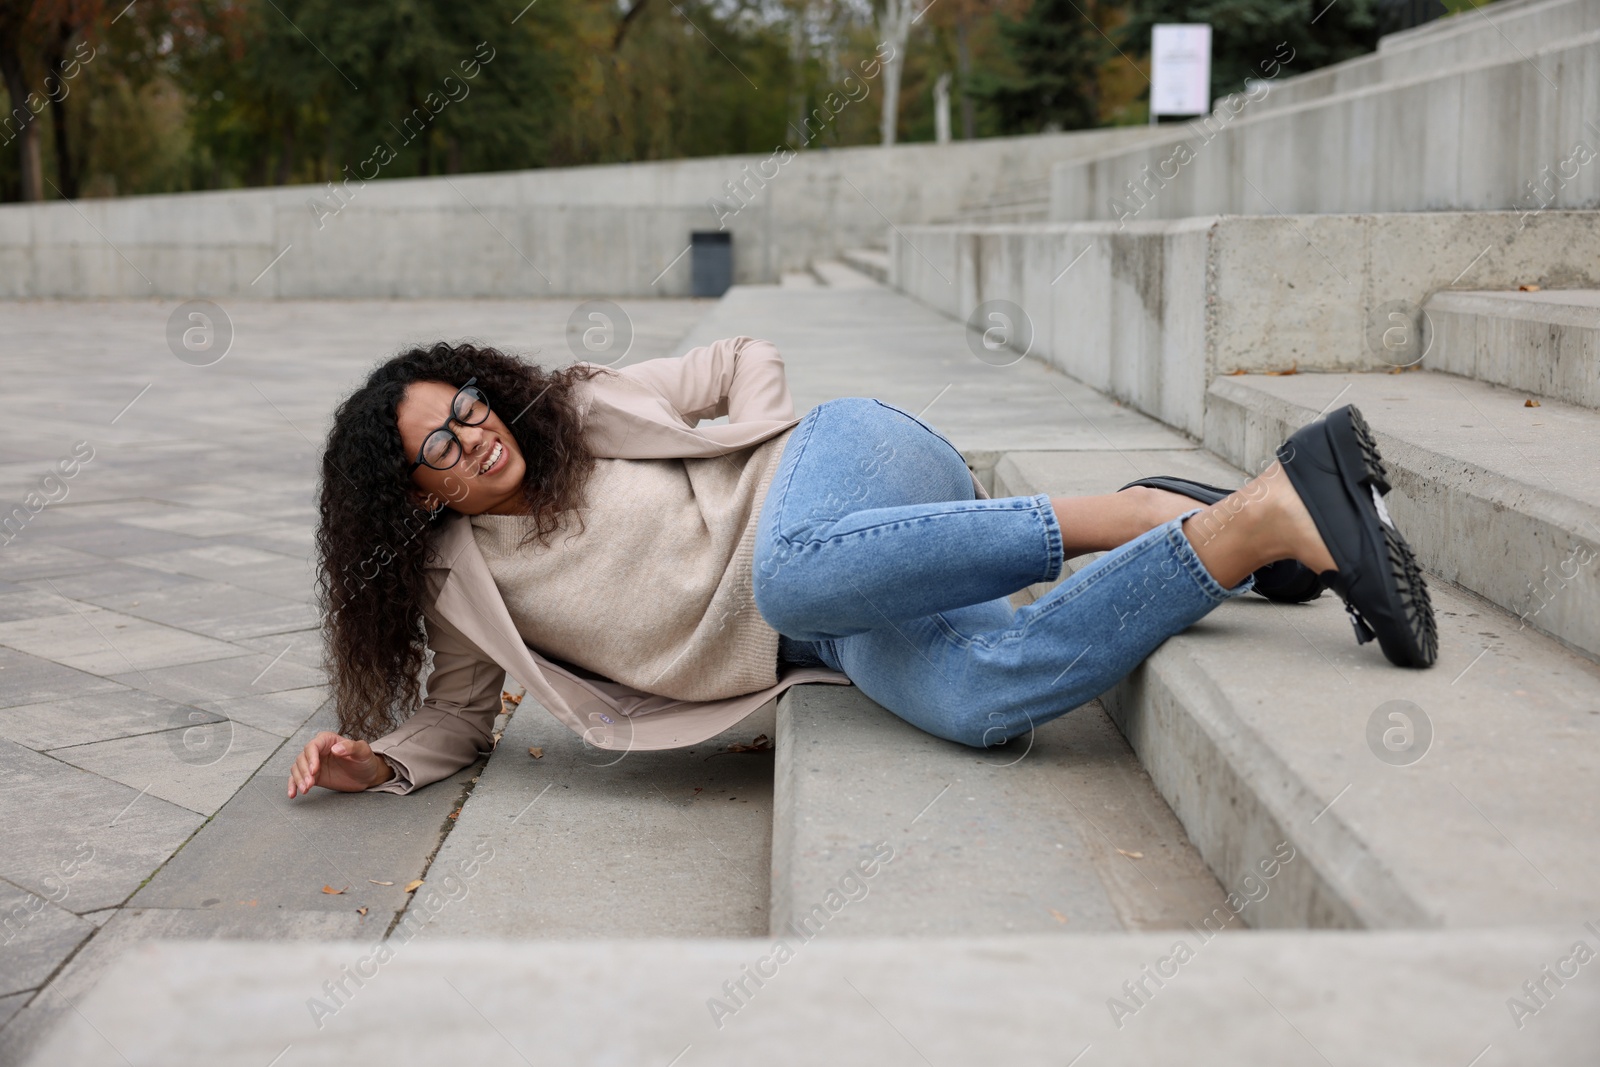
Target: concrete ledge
(615,230)
(1152,311)
(1545,342)
(1467,138)
(1497,497)
(1060,832)
(1255,724)
(1386,1000)
(1494,31)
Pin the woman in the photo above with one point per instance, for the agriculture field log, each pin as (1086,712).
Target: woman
(651,581)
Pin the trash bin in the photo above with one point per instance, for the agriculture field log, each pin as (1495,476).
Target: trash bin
(710,262)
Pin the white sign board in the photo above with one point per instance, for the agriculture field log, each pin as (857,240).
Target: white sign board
(1180,69)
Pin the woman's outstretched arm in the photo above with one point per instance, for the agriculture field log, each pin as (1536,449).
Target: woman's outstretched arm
(453,727)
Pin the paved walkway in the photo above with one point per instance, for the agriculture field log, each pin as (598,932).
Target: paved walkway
(159,658)
(157,634)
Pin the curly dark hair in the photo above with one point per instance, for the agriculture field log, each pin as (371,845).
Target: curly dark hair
(372,537)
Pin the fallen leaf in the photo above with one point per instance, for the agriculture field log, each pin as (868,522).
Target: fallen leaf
(1530,403)
(1294,368)
(763,743)
(413,885)
(1060,918)
(1236,373)
(374,881)
(536,752)
(1132,855)
(332,892)
(1528,288)
(511,698)
(362,911)
(455,813)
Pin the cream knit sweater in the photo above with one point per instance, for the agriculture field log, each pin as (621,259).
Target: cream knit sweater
(654,591)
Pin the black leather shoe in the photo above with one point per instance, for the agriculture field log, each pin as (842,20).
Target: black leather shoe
(1287,581)
(1333,463)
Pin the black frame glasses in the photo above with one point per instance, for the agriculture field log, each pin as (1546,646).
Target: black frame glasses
(461,405)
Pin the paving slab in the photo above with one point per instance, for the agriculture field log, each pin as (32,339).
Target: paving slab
(108,642)
(1406,794)
(229,678)
(213,609)
(1463,456)
(116,712)
(28,679)
(263,854)
(280,713)
(197,765)
(1389,1000)
(585,843)
(39,934)
(63,812)
(1060,831)
(10,1005)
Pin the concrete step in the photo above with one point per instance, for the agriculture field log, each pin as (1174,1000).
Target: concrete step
(1545,342)
(1152,311)
(837,274)
(1498,497)
(1383,999)
(1471,137)
(1494,31)
(1404,793)
(583,843)
(873,262)
(1059,832)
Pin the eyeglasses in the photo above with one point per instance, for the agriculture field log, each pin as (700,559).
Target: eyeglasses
(442,449)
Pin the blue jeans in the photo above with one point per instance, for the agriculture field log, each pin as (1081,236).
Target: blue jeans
(874,558)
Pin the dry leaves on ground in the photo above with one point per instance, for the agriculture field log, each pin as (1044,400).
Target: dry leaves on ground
(1530,403)
(536,752)
(374,881)
(332,892)
(413,885)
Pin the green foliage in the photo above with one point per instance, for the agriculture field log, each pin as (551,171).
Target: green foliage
(197,94)
(1057,50)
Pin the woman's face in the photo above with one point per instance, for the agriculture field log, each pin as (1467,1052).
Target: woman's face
(488,475)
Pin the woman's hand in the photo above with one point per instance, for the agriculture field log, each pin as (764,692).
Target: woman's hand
(338,763)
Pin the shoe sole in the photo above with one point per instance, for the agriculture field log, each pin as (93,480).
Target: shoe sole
(1415,642)
(1404,571)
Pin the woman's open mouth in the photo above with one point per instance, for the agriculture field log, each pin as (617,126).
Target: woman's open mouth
(495,460)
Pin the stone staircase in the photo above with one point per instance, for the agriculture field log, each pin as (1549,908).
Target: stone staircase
(1466,337)
(1414,850)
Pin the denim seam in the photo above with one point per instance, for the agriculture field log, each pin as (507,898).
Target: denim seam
(796,542)
(925,427)
(802,431)
(1017,633)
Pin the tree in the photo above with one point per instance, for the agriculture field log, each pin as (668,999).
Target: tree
(1057,48)
(894,19)
(37,69)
